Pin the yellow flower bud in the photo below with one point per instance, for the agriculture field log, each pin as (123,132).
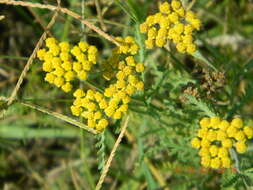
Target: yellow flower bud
(214,122)
(77,102)
(227,143)
(211,135)
(79,93)
(103,123)
(139,67)
(50,42)
(50,77)
(165,8)
(239,136)
(221,135)
(64,56)
(175,4)
(224,125)
(196,23)
(82,75)
(90,94)
(47,66)
(66,87)
(76,110)
(103,104)
(117,114)
(205,143)
(69,76)
(191,48)
(241,147)
(149,43)
(202,133)
(83,46)
(205,161)
(215,163)
(213,150)
(59,81)
(226,162)
(231,131)
(41,53)
(123,108)
(248,131)
(97,115)
(223,152)
(91,123)
(140,85)
(109,111)
(181,47)
(204,122)
(195,142)
(67,66)
(98,96)
(204,151)
(59,71)
(64,46)
(152,32)
(237,122)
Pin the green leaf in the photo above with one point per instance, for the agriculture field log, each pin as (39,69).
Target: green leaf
(200,105)
(230,180)
(101,150)
(127,10)
(199,56)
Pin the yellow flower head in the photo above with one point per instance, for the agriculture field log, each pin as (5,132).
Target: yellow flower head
(63,63)
(215,137)
(172,22)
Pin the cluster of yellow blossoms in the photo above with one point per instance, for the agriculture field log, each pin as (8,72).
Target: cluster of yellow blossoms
(216,137)
(64,63)
(123,72)
(174,23)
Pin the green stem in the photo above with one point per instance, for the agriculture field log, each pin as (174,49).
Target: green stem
(199,56)
(17,132)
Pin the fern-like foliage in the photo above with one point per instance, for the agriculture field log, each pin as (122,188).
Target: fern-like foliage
(200,105)
(229,179)
(101,150)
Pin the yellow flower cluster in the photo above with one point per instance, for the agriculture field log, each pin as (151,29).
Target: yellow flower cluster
(216,137)
(90,105)
(123,72)
(63,63)
(172,22)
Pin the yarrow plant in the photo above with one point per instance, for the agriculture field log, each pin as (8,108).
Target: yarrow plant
(215,137)
(174,23)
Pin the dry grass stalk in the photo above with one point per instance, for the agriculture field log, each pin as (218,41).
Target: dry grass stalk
(112,154)
(30,60)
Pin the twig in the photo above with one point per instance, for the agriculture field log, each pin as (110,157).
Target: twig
(30,60)
(100,17)
(39,20)
(190,5)
(60,116)
(65,11)
(112,154)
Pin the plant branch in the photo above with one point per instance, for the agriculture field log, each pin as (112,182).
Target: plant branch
(65,11)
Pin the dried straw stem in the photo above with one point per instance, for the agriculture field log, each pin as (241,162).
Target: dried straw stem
(30,60)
